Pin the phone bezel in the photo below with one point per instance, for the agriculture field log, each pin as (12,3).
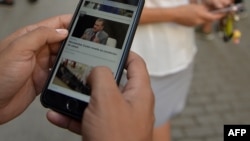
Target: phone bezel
(62,103)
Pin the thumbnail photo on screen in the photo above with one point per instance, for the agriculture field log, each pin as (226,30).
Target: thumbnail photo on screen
(102,31)
(72,75)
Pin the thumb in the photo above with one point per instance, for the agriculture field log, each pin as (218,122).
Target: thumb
(103,86)
(34,40)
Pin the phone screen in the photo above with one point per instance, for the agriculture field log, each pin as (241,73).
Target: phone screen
(100,34)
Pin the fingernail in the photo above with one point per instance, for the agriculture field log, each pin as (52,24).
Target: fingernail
(62,31)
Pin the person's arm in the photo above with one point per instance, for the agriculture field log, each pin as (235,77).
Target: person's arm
(157,15)
(114,115)
(188,15)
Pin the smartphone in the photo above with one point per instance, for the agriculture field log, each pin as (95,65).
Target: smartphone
(232,8)
(100,34)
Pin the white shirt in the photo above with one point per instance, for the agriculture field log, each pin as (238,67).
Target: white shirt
(166,47)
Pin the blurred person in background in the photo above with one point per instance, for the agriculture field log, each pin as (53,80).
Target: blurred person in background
(165,39)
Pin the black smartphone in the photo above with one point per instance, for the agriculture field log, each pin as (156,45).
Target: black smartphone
(100,34)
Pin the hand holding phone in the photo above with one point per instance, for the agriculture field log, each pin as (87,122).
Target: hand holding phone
(137,92)
(100,34)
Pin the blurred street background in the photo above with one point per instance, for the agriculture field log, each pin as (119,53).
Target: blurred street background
(219,94)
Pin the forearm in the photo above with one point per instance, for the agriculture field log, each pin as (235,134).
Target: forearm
(158,15)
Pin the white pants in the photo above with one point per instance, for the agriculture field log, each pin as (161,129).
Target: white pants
(171,92)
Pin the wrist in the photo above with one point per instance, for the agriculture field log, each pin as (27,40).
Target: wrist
(176,14)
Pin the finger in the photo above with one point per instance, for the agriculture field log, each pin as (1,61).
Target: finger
(225,3)
(137,71)
(34,40)
(215,17)
(57,22)
(220,3)
(138,80)
(215,3)
(138,91)
(61,21)
(54,22)
(210,17)
(101,80)
(64,122)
